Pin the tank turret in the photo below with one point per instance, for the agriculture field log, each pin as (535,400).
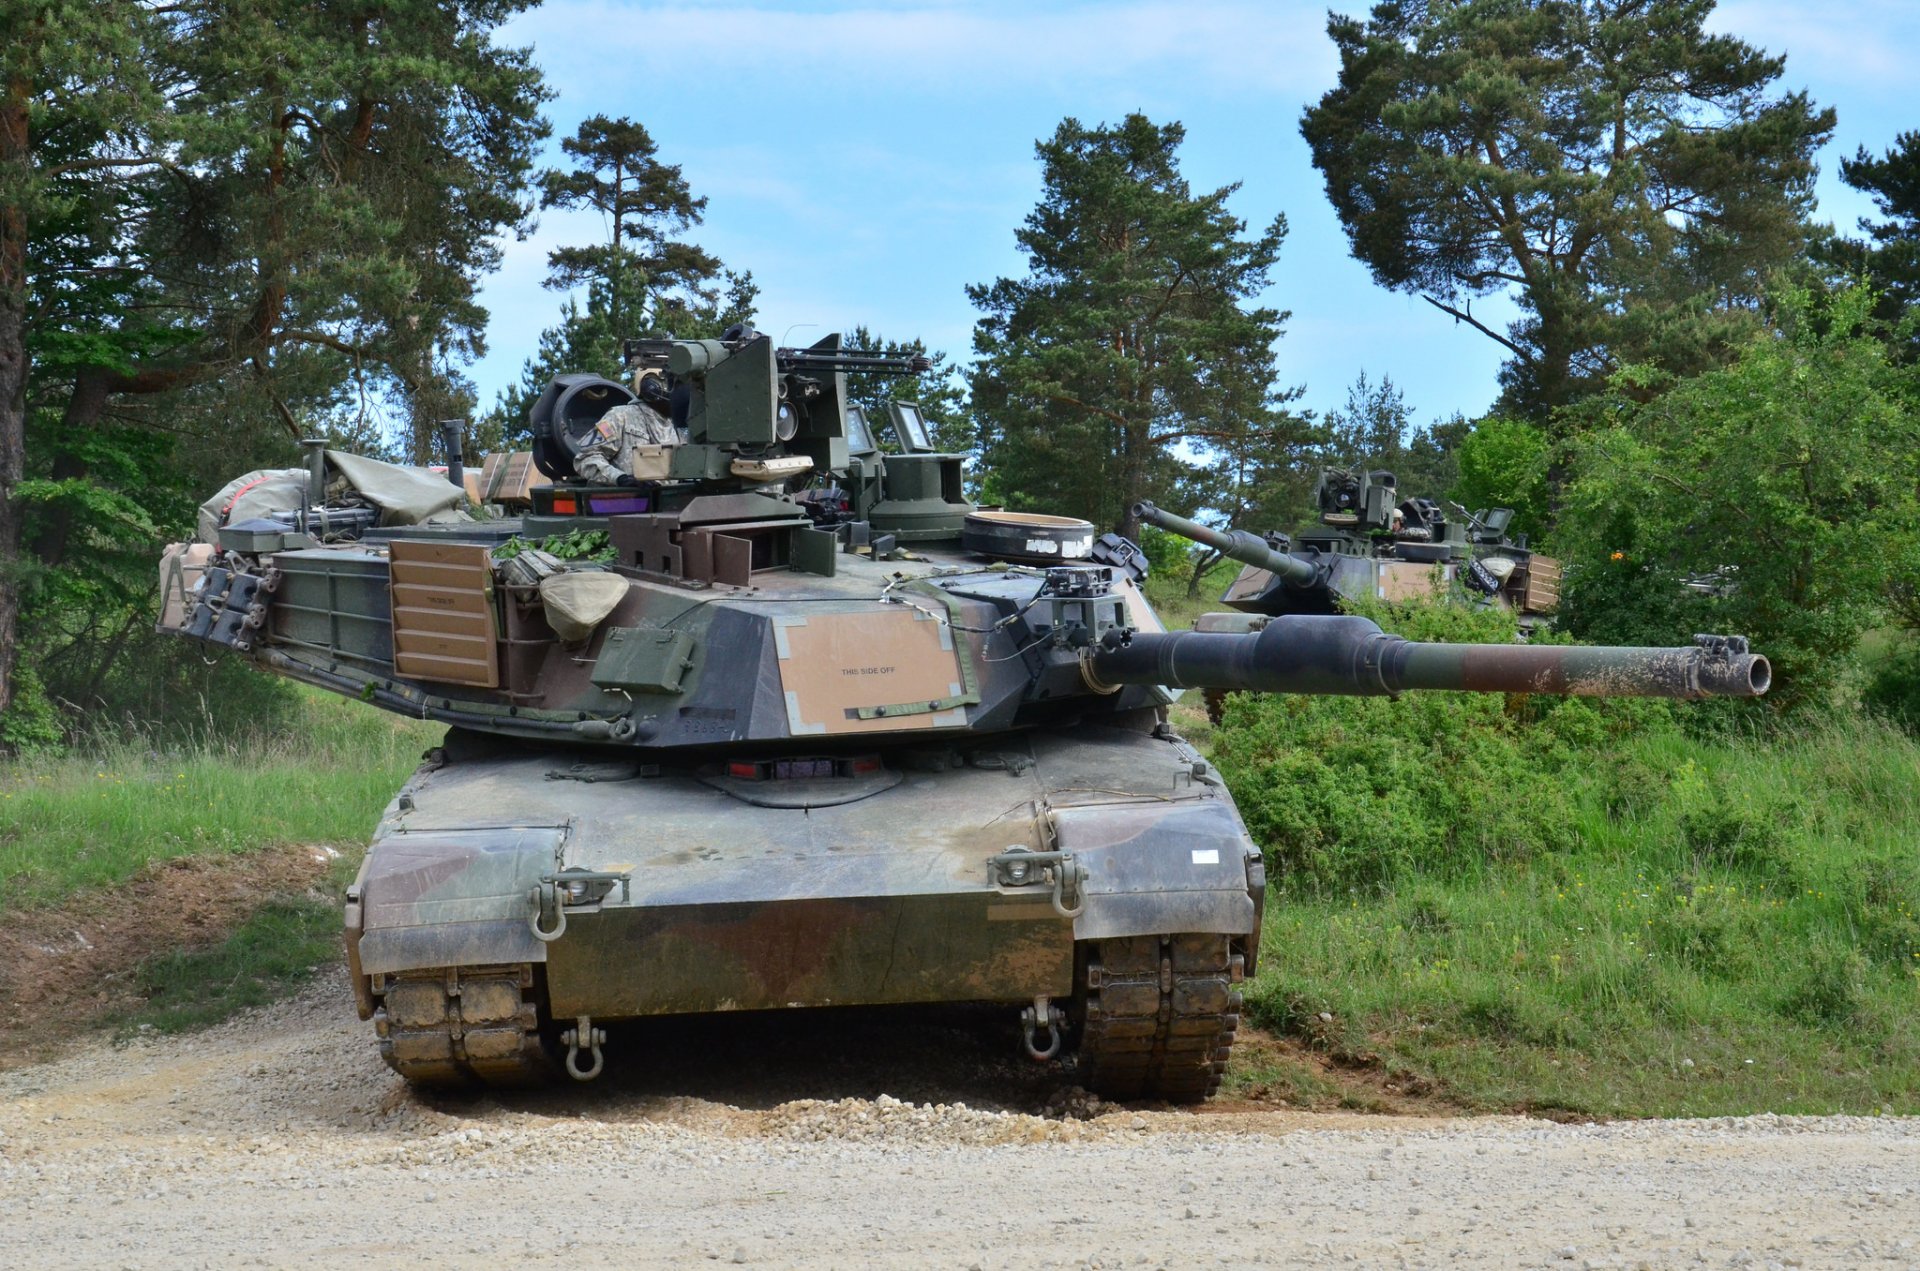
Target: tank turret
(795,735)
(1366,544)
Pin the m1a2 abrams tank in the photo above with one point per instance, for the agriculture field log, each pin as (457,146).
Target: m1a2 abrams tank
(1368,541)
(821,733)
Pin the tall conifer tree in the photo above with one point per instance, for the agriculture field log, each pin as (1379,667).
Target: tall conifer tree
(1134,347)
(1629,177)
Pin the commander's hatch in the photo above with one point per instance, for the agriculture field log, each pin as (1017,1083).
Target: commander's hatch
(724,538)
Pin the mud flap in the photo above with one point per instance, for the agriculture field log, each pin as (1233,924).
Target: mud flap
(1159,867)
(441,898)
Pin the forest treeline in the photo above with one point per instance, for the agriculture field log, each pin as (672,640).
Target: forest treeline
(225,226)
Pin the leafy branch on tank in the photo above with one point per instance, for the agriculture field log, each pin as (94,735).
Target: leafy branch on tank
(576,545)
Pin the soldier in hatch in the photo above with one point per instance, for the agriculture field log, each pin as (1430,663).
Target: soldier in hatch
(609,457)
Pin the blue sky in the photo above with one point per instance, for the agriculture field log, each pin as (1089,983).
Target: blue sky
(868,161)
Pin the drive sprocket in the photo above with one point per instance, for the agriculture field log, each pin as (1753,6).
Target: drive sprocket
(462,1026)
(1160,1016)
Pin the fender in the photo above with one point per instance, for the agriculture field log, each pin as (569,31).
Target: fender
(1154,868)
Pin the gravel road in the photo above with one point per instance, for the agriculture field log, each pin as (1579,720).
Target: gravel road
(280,1140)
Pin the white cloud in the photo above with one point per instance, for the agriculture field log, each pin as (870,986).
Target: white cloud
(1868,45)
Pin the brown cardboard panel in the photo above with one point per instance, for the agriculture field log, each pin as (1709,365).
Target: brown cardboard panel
(181,567)
(1542,593)
(509,476)
(443,625)
(834,664)
(425,551)
(424,666)
(440,599)
(449,622)
(474,648)
(1407,580)
(437,573)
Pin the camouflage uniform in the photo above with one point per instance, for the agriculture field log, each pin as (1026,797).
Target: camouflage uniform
(619,432)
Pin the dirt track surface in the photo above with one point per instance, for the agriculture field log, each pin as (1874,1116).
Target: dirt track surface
(281,1140)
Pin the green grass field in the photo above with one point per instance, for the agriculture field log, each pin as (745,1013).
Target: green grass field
(87,821)
(75,826)
(1753,950)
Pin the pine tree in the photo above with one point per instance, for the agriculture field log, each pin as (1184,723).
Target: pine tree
(230,220)
(74,92)
(1622,172)
(644,278)
(1132,353)
(1891,256)
(650,273)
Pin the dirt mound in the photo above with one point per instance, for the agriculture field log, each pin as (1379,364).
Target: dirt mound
(64,965)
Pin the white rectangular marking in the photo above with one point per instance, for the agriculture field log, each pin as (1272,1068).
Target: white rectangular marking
(1206,856)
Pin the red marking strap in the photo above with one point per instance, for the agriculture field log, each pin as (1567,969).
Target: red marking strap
(227,511)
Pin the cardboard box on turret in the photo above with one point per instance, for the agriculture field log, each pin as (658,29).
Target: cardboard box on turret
(508,477)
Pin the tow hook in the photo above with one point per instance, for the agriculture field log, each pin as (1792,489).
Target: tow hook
(1031,1024)
(1020,867)
(584,1036)
(548,902)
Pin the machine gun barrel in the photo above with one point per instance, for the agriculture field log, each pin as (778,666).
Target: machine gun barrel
(685,357)
(1351,656)
(1248,549)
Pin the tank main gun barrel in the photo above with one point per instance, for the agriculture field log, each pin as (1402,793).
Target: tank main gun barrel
(1350,656)
(1248,549)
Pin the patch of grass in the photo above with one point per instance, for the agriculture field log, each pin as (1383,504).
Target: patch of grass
(1167,590)
(91,820)
(273,951)
(1664,925)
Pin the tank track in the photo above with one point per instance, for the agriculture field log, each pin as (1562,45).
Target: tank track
(463,1026)
(1160,1016)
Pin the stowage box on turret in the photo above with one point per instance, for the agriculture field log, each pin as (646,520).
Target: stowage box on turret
(818,733)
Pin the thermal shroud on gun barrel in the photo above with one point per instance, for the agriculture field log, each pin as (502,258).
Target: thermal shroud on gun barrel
(1350,656)
(1248,549)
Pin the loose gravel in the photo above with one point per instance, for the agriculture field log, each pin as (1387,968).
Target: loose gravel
(281,1140)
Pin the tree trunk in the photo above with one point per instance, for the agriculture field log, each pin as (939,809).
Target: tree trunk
(1200,567)
(15,172)
(84,407)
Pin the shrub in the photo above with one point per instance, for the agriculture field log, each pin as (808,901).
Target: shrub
(1893,688)
(1364,792)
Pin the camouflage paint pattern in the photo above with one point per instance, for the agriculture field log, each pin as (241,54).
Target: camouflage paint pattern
(737,906)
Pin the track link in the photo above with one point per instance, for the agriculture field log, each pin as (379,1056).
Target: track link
(1160,1016)
(461,1026)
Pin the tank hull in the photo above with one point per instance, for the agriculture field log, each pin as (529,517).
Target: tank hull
(730,895)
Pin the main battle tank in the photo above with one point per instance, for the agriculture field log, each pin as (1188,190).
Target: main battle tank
(1368,541)
(819,733)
